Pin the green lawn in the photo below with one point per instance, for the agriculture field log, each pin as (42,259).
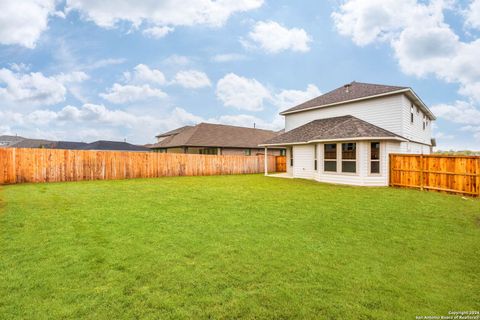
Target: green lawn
(235,247)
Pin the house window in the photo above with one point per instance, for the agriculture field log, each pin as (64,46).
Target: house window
(161,150)
(248,152)
(291,157)
(375,157)
(283,152)
(315,158)
(330,162)
(424,122)
(349,157)
(208,151)
(411,113)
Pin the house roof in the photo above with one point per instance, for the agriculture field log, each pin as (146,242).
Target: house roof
(114,146)
(215,135)
(6,140)
(31,143)
(68,145)
(355,91)
(175,131)
(331,129)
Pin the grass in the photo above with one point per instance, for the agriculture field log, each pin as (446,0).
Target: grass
(235,247)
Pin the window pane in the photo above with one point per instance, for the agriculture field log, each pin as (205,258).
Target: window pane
(349,166)
(330,166)
(375,167)
(331,151)
(375,150)
(349,151)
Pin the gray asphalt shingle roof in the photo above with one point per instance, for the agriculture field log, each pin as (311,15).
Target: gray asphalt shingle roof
(214,135)
(351,91)
(344,127)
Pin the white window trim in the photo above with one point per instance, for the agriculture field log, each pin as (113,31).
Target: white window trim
(324,159)
(369,158)
(339,160)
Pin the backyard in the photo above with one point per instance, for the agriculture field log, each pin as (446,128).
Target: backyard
(244,246)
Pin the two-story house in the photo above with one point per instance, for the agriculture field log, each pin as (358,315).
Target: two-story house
(346,135)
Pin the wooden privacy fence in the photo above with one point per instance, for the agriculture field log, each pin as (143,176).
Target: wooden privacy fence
(455,174)
(281,164)
(51,165)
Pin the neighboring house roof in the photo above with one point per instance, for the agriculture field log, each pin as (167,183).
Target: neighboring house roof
(114,146)
(68,145)
(331,129)
(7,140)
(175,131)
(32,143)
(356,91)
(71,145)
(215,135)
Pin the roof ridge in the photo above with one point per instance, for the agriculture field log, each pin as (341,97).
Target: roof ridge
(228,125)
(193,130)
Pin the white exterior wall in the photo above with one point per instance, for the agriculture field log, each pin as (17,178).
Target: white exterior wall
(414,131)
(384,112)
(303,164)
(390,113)
(303,157)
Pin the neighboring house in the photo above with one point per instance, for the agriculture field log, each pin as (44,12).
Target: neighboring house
(100,145)
(31,143)
(114,146)
(7,141)
(208,138)
(346,135)
(67,145)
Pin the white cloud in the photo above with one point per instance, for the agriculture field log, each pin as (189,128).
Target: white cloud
(367,21)
(423,43)
(444,136)
(34,88)
(157,32)
(241,93)
(227,57)
(273,38)
(22,22)
(105,63)
(473,15)
(119,93)
(192,79)
(290,98)
(161,12)
(176,60)
(75,76)
(460,112)
(143,74)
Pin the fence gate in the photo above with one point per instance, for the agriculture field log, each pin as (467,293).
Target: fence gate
(281,164)
(455,174)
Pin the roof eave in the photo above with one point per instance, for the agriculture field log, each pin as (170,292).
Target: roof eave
(335,140)
(417,99)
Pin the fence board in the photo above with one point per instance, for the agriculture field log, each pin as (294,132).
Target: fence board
(454,174)
(51,165)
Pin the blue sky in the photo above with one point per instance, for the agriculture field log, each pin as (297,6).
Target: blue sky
(89,70)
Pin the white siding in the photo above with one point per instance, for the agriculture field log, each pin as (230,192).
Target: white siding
(289,168)
(414,131)
(385,112)
(303,157)
(303,164)
(362,177)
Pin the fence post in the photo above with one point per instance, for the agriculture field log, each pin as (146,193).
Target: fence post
(421,171)
(477,171)
(390,163)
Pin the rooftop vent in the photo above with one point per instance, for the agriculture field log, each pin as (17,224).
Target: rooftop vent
(347,87)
